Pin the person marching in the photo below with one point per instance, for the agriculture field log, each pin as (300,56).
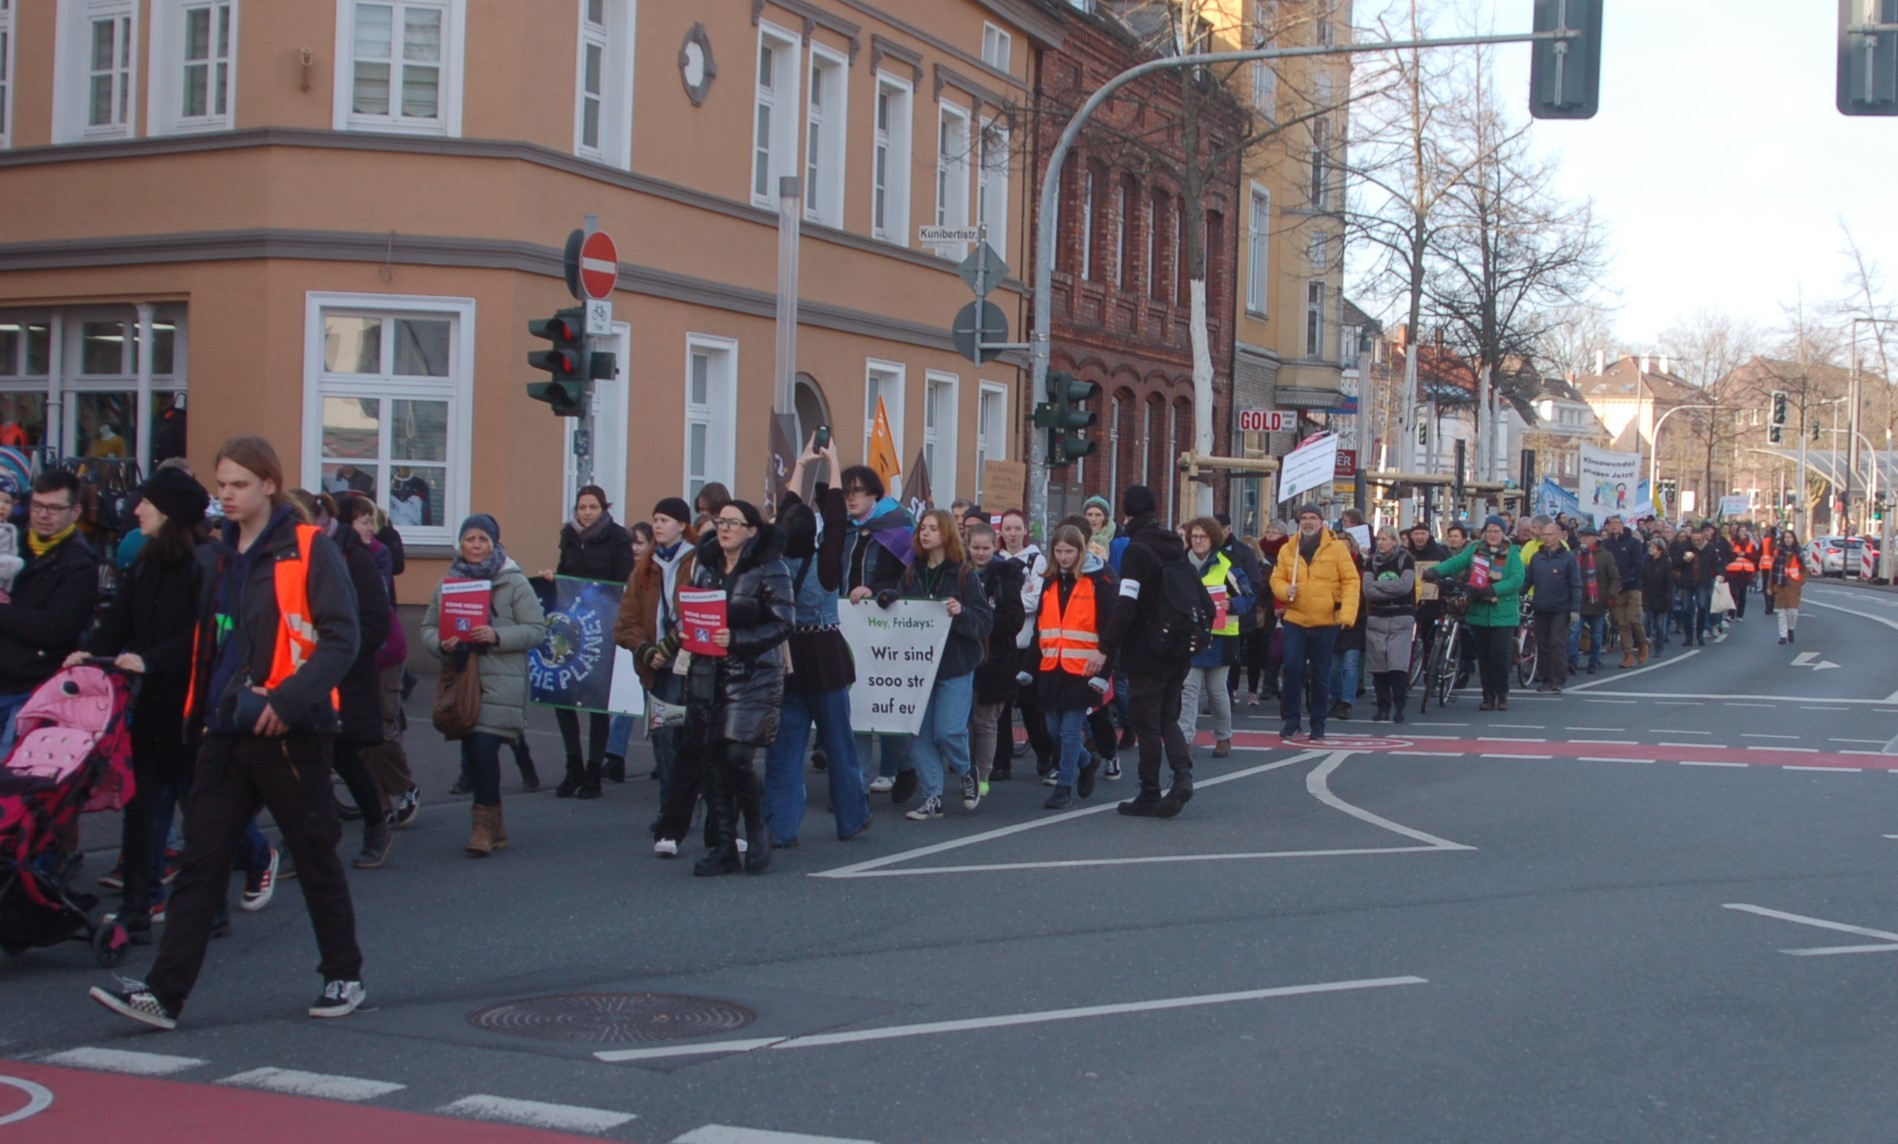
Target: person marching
(1789,574)
(647,626)
(1154,678)
(1601,584)
(593,546)
(995,683)
(1769,543)
(516,625)
(1493,571)
(1319,584)
(733,700)
(1390,591)
(1211,669)
(879,544)
(1658,588)
(1625,605)
(942,741)
(276,632)
(1740,569)
(1077,598)
(1017,546)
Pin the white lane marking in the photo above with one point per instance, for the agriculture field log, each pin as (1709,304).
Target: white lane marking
(1607,742)
(1766,705)
(38,1099)
(1045,1016)
(322,1085)
(1802,702)
(1840,770)
(1318,784)
(1850,612)
(1496,756)
(1892,698)
(1850,751)
(1677,731)
(1869,742)
(1709,746)
(122,1061)
(536,1113)
(1593,699)
(859,868)
(1428,754)
(726,1134)
(1755,735)
(1621,675)
(1787,750)
(1677,702)
(1706,763)
(1504,739)
(1521,727)
(1821,923)
(1150,860)
(1593,728)
(1609,759)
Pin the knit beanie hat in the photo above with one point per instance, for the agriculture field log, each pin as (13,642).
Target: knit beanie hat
(485,523)
(1137,501)
(178,496)
(674,507)
(1498,521)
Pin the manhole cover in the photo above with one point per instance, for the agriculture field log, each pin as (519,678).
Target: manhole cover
(612,1017)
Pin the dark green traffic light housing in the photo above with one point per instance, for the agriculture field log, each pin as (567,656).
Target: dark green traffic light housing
(1064,416)
(1565,73)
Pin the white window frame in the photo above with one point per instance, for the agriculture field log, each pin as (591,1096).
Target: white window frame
(1318,252)
(72,85)
(457,389)
(991,195)
(6,72)
(991,435)
(166,87)
(941,439)
(719,414)
(1120,231)
(1319,189)
(890,151)
(1153,243)
(1315,319)
(954,141)
(614,38)
(779,141)
(826,128)
(997,46)
(875,371)
(1087,222)
(1259,251)
(449,88)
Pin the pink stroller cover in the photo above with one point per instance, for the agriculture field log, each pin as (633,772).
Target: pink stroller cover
(66,720)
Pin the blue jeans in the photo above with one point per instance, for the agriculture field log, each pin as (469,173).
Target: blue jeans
(1657,628)
(481,762)
(665,740)
(1596,626)
(9,708)
(1067,728)
(1344,675)
(942,742)
(784,793)
(1688,603)
(1703,607)
(619,736)
(897,754)
(1304,646)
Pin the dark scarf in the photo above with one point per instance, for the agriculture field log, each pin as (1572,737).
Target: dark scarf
(486,570)
(1308,545)
(591,531)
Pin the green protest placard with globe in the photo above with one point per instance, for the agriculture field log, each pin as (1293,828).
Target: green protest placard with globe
(577,665)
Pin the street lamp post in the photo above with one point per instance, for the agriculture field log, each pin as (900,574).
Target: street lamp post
(1654,448)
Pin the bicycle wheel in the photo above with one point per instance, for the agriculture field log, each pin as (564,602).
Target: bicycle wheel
(1443,664)
(1526,657)
(1419,667)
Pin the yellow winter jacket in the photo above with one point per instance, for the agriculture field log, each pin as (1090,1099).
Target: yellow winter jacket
(1328,588)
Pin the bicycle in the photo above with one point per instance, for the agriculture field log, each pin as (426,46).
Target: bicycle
(1446,648)
(1524,653)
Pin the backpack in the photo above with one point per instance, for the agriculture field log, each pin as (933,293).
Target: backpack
(1182,623)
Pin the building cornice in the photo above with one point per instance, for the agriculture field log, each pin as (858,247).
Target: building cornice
(814,17)
(502,149)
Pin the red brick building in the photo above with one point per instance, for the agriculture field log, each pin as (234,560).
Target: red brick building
(1121,304)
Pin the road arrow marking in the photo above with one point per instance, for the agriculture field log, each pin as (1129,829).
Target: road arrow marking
(1805,658)
(1821,923)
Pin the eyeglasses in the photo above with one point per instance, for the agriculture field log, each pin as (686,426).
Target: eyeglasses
(725,522)
(44,509)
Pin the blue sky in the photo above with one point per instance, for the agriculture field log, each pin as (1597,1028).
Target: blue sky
(1718,157)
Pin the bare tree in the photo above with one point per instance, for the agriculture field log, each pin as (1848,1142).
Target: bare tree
(1574,335)
(1706,349)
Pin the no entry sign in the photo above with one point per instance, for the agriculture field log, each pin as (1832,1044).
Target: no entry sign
(599,265)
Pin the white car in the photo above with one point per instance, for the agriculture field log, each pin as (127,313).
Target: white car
(1825,556)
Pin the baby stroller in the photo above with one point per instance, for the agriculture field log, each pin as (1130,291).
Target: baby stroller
(72,754)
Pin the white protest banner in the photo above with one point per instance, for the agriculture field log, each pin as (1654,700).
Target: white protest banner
(1610,483)
(1308,466)
(1735,506)
(897,650)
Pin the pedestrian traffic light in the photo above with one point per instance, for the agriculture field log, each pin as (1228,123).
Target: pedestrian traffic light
(564,363)
(1868,57)
(1063,415)
(1565,73)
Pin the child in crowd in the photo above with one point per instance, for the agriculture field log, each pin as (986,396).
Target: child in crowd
(10,559)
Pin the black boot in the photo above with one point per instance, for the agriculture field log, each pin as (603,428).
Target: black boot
(614,771)
(750,799)
(1177,795)
(1400,694)
(590,782)
(1146,804)
(720,830)
(530,778)
(575,779)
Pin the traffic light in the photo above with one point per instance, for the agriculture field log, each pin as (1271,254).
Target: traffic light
(1868,57)
(1779,409)
(565,363)
(1775,433)
(1063,416)
(1565,74)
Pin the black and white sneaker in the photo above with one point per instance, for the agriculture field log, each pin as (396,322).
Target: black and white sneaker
(931,808)
(1111,771)
(971,791)
(403,812)
(133,999)
(339,999)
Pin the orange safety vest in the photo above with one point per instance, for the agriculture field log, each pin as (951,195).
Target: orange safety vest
(1069,636)
(1742,563)
(1766,555)
(296,634)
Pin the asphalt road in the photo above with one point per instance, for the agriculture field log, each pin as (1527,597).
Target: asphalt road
(1590,917)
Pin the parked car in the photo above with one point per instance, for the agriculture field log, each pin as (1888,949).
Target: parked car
(1825,556)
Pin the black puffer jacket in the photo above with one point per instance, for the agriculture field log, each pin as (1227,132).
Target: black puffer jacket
(969,632)
(606,555)
(1657,585)
(51,608)
(1150,547)
(1002,584)
(735,698)
(361,690)
(153,616)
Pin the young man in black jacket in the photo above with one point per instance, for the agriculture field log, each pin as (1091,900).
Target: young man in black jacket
(277,632)
(1154,682)
(53,595)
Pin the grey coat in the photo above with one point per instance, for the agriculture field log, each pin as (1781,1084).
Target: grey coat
(516,616)
(1387,637)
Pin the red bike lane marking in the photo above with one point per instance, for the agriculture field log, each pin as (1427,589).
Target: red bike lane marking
(1637,753)
(113,1106)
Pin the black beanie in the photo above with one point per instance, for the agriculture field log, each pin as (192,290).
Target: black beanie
(178,496)
(1137,501)
(674,507)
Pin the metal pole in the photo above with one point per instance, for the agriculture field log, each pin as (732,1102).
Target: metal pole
(1799,483)
(790,229)
(583,430)
(141,417)
(1048,217)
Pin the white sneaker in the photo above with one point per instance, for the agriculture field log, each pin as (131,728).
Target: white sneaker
(971,791)
(881,784)
(743,846)
(666,848)
(931,808)
(339,999)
